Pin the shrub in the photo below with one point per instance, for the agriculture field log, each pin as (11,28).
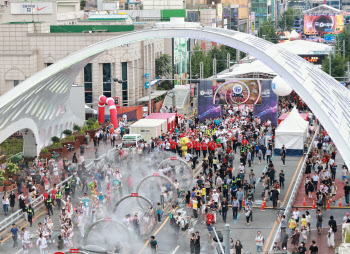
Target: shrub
(11,169)
(72,138)
(67,132)
(85,128)
(58,144)
(55,139)
(90,122)
(45,151)
(76,127)
(96,126)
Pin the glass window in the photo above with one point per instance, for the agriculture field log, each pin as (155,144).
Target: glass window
(107,75)
(125,83)
(88,83)
(48,64)
(15,82)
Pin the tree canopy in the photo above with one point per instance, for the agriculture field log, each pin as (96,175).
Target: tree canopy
(288,17)
(267,30)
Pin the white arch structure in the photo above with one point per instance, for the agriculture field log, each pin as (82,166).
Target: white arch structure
(325,96)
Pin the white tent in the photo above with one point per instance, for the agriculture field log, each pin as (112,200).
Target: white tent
(292,133)
(89,110)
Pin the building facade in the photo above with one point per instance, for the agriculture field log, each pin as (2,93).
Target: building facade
(27,48)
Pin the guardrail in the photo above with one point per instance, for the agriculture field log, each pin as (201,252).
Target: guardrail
(295,189)
(8,221)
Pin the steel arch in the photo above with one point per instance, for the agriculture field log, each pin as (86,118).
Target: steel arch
(144,198)
(326,97)
(91,227)
(190,171)
(163,177)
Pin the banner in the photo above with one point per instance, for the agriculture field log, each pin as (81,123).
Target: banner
(27,8)
(268,108)
(236,92)
(323,24)
(206,109)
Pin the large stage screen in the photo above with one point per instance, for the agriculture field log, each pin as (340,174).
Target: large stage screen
(236,92)
(323,24)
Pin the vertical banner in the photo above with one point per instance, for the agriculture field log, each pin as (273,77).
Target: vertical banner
(206,109)
(267,110)
(253,23)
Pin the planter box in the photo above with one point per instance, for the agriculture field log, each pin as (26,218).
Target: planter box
(64,152)
(81,139)
(8,188)
(45,156)
(1,188)
(75,143)
(92,132)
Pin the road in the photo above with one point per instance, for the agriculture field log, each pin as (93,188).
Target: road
(264,221)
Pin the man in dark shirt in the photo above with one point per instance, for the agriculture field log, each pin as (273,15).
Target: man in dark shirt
(347,192)
(275,197)
(153,244)
(224,207)
(313,248)
(284,239)
(333,224)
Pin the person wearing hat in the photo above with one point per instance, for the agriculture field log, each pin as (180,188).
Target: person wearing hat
(346,218)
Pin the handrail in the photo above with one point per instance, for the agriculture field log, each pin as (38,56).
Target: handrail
(218,241)
(5,223)
(295,189)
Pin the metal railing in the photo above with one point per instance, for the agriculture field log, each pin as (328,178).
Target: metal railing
(295,189)
(13,218)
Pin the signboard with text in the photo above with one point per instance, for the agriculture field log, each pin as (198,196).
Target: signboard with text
(27,8)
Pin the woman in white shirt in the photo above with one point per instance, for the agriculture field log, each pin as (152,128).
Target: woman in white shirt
(5,203)
(42,244)
(26,243)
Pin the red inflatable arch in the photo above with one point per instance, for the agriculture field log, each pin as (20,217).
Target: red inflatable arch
(112,109)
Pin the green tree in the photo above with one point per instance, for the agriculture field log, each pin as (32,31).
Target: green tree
(163,65)
(82,4)
(344,36)
(267,30)
(197,56)
(338,66)
(288,17)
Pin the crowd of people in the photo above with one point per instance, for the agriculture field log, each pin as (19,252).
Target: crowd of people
(219,189)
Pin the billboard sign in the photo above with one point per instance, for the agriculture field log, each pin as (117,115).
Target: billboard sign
(236,92)
(267,110)
(323,24)
(181,59)
(206,109)
(219,12)
(27,8)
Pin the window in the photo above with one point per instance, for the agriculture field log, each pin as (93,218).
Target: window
(107,76)
(15,82)
(125,83)
(88,83)
(48,64)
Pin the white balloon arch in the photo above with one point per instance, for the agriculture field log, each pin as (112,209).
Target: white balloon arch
(326,97)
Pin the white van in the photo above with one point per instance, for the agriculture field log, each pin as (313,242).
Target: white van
(130,140)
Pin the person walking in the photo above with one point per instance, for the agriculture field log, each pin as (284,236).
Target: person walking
(12,201)
(332,229)
(25,240)
(313,248)
(247,210)
(284,240)
(192,243)
(14,233)
(319,218)
(5,203)
(259,240)
(153,244)
(224,207)
(58,197)
(295,237)
(49,205)
(197,243)
(30,212)
(347,193)
(235,205)
(238,247)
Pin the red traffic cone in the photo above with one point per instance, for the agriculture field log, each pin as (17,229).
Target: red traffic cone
(340,204)
(304,202)
(328,205)
(263,206)
(313,205)
(243,202)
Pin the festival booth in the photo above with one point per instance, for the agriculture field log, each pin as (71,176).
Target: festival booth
(170,117)
(149,128)
(305,116)
(292,133)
